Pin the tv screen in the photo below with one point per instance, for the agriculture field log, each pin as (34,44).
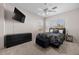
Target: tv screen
(18,15)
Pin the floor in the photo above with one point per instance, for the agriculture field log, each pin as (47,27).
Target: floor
(30,48)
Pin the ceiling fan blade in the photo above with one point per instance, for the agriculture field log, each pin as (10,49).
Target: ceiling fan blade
(51,11)
(40,9)
(54,7)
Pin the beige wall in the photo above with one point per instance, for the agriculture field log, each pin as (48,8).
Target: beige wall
(1,26)
(32,22)
(71,22)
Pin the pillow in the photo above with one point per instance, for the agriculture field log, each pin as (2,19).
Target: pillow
(60,31)
(55,31)
(51,30)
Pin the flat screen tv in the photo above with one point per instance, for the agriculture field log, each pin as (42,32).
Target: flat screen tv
(18,15)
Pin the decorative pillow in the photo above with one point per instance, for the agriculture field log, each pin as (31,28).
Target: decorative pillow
(60,31)
(55,31)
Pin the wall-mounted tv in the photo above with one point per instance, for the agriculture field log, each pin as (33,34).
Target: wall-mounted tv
(18,15)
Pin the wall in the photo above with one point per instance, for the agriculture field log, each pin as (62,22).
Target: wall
(32,22)
(71,19)
(1,26)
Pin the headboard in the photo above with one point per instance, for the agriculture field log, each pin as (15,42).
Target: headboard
(64,30)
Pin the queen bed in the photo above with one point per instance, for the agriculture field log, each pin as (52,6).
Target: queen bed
(54,38)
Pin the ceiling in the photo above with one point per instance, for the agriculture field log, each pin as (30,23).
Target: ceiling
(35,7)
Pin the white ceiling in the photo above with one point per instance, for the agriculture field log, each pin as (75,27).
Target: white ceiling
(34,7)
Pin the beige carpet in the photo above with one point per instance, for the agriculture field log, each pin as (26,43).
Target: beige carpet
(30,48)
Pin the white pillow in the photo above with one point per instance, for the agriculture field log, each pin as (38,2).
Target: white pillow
(60,31)
(51,30)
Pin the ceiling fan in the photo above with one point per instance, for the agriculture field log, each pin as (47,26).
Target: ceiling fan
(48,9)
